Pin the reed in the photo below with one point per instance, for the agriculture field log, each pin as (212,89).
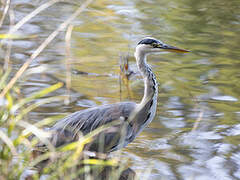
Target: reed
(20,156)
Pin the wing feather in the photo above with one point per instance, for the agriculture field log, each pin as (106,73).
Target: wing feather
(85,121)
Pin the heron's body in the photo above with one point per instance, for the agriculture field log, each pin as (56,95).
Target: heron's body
(132,117)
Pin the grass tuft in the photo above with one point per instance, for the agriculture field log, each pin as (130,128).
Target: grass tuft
(20,154)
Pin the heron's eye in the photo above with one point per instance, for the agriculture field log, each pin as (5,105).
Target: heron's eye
(155,45)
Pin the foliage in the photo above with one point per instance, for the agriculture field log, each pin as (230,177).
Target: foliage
(18,155)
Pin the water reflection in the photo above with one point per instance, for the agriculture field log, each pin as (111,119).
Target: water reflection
(205,81)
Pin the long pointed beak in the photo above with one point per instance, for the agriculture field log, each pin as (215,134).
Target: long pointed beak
(174,49)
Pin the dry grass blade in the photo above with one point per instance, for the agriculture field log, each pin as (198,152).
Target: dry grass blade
(37,104)
(43,46)
(198,120)
(31,15)
(42,135)
(7,5)
(36,95)
(42,157)
(48,121)
(8,142)
(9,42)
(68,60)
(4,78)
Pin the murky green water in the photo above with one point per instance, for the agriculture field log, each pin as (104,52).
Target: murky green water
(196,132)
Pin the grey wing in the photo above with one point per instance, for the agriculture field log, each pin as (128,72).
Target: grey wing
(85,121)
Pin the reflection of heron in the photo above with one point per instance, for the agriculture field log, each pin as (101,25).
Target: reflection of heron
(134,117)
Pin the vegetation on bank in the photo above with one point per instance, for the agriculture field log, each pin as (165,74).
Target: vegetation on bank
(19,156)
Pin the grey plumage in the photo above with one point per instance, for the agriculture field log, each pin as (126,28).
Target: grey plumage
(132,117)
(87,120)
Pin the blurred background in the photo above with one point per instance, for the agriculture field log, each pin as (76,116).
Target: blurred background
(196,132)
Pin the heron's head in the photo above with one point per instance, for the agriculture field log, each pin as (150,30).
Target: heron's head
(152,45)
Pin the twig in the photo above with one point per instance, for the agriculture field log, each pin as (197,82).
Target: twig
(43,46)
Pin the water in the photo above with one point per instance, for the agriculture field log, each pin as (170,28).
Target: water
(195,134)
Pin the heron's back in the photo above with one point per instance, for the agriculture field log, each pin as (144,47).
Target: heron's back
(85,121)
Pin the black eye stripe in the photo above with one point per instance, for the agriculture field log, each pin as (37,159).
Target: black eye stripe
(148,41)
(153,42)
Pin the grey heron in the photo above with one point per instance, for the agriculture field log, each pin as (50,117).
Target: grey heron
(133,117)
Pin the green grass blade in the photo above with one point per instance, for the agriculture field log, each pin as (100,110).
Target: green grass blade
(4,78)
(36,96)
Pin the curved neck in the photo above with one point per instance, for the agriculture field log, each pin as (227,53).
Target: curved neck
(150,83)
(146,109)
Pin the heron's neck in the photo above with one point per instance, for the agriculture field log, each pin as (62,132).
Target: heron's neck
(146,109)
(150,83)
